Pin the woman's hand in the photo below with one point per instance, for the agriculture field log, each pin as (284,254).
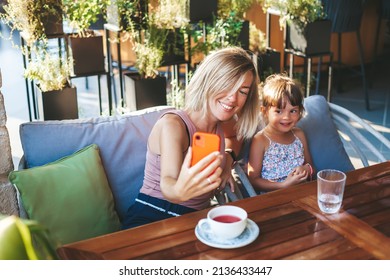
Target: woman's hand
(226,176)
(203,177)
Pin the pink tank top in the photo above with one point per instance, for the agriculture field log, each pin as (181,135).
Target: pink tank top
(151,185)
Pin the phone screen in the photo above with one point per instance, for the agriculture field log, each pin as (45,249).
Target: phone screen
(203,144)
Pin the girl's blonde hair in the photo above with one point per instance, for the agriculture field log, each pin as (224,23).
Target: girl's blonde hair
(224,70)
(278,89)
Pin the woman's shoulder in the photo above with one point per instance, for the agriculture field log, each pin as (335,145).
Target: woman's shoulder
(171,121)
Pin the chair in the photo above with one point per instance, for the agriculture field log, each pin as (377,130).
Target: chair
(243,188)
(336,137)
(346,16)
(359,134)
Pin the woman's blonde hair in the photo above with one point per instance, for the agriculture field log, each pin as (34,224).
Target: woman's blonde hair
(224,70)
(278,89)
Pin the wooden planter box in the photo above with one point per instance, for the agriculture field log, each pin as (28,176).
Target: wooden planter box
(53,23)
(53,26)
(203,10)
(268,63)
(58,104)
(315,38)
(243,37)
(114,17)
(88,54)
(99,24)
(144,93)
(174,50)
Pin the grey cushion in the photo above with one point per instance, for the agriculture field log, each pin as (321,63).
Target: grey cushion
(324,142)
(121,139)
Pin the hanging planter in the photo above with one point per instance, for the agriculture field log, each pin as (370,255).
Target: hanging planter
(314,39)
(99,24)
(87,54)
(143,93)
(124,14)
(50,71)
(52,24)
(58,104)
(202,10)
(36,20)
(243,37)
(174,50)
(268,63)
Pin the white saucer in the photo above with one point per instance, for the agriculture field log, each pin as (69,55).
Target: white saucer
(248,236)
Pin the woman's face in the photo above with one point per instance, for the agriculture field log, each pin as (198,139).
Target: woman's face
(226,104)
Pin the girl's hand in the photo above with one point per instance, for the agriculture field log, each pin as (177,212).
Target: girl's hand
(297,176)
(300,170)
(203,177)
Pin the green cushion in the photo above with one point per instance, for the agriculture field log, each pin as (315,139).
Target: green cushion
(70,196)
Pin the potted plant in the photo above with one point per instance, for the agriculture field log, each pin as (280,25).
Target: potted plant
(146,87)
(235,11)
(268,60)
(229,28)
(22,239)
(36,19)
(86,45)
(127,14)
(308,30)
(57,98)
(202,10)
(172,15)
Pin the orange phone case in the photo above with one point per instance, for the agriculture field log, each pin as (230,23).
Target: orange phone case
(203,144)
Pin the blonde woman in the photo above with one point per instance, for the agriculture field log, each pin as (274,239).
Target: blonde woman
(223,85)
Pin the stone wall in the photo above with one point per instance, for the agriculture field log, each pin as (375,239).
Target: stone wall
(8,201)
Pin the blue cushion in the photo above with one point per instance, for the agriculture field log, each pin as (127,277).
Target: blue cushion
(122,141)
(324,142)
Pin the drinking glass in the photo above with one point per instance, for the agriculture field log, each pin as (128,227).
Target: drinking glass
(330,190)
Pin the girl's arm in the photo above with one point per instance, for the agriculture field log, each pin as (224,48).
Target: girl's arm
(308,164)
(179,182)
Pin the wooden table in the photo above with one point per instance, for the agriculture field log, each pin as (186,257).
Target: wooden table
(291,227)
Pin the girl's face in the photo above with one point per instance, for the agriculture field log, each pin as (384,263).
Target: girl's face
(283,119)
(226,104)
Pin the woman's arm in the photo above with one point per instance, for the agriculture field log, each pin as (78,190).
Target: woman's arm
(179,182)
(231,142)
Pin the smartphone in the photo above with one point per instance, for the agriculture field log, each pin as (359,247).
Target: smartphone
(204,144)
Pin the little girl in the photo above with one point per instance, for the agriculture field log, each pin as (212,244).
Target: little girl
(279,156)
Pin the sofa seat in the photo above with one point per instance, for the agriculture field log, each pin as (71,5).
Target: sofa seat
(121,140)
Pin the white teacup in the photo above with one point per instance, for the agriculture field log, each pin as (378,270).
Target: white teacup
(226,222)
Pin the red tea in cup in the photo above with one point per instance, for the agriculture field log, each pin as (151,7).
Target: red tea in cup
(226,219)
